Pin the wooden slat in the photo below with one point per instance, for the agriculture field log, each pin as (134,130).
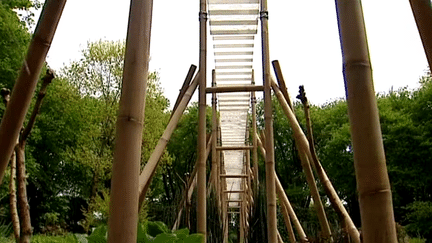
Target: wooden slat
(233,53)
(233,22)
(234,176)
(234,60)
(233,1)
(234,12)
(232,32)
(233,67)
(233,46)
(244,88)
(234,37)
(234,147)
(234,73)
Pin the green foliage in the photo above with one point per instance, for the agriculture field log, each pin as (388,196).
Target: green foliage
(14,39)
(419,219)
(156,232)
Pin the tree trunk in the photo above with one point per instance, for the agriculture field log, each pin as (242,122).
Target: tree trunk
(13,198)
(23,205)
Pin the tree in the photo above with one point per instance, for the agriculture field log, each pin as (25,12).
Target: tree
(97,77)
(14,39)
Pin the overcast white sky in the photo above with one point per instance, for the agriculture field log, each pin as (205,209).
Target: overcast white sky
(303,37)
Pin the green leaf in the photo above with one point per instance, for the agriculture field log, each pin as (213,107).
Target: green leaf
(195,238)
(156,228)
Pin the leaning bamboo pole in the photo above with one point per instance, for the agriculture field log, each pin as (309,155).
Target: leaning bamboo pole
(152,163)
(373,186)
(305,158)
(422,11)
(123,218)
(281,81)
(327,185)
(288,224)
(184,87)
(25,85)
(201,162)
(284,199)
(269,161)
(191,183)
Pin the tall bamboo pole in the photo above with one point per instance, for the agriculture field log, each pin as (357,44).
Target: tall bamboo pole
(201,162)
(191,183)
(25,85)
(305,157)
(373,186)
(269,161)
(422,11)
(151,165)
(254,138)
(214,137)
(327,185)
(284,199)
(127,152)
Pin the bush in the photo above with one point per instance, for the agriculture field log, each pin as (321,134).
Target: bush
(419,218)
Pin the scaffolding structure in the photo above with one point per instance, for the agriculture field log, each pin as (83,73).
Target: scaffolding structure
(233,27)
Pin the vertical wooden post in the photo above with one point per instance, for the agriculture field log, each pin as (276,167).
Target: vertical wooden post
(127,152)
(269,161)
(376,206)
(25,85)
(254,138)
(422,12)
(201,162)
(214,137)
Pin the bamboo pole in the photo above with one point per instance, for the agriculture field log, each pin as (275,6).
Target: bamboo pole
(288,224)
(327,185)
(279,237)
(152,163)
(254,138)
(191,183)
(25,85)
(214,136)
(284,199)
(422,12)
(201,162)
(269,161)
(373,186)
(305,157)
(123,218)
(184,87)
(281,82)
